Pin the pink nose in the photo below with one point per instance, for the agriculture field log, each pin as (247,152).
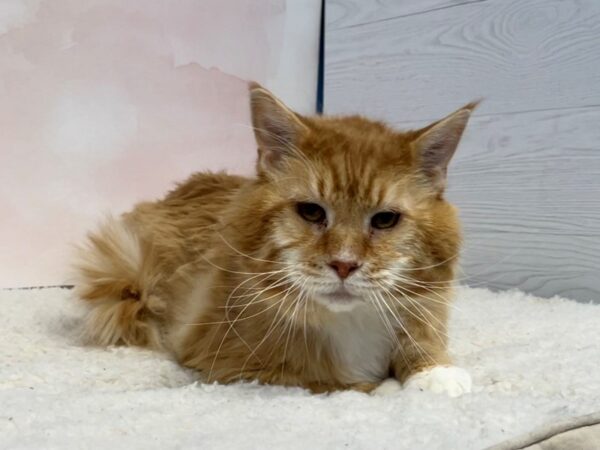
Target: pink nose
(344,268)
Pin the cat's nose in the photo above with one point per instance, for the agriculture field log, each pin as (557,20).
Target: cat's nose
(344,268)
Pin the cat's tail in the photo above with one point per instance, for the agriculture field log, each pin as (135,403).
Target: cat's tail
(116,276)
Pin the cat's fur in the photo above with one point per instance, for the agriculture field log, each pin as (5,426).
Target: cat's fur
(225,274)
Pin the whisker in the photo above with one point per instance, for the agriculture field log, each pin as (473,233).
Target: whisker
(411,269)
(292,325)
(418,347)
(398,287)
(232,324)
(239,272)
(419,308)
(282,281)
(274,323)
(290,322)
(305,328)
(239,252)
(388,326)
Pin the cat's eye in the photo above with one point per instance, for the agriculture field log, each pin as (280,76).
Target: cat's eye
(311,212)
(385,219)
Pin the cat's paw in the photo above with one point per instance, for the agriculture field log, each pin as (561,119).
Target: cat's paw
(387,387)
(451,380)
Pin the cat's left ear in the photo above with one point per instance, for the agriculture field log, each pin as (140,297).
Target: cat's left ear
(435,144)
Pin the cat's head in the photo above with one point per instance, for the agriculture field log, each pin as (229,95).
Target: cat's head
(355,210)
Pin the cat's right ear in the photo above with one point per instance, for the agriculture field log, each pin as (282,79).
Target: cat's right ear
(276,128)
(435,144)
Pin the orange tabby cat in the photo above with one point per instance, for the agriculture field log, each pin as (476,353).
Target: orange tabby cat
(331,269)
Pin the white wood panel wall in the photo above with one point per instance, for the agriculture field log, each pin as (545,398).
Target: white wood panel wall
(527,175)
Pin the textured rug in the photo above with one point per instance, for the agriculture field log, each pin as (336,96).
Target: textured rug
(534,362)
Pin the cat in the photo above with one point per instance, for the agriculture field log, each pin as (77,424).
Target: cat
(331,269)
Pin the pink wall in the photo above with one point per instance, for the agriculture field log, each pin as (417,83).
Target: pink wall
(105,103)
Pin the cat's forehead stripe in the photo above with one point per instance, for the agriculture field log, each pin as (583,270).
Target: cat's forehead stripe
(363,183)
(369,181)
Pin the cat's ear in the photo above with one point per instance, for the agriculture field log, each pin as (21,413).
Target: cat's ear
(276,127)
(435,144)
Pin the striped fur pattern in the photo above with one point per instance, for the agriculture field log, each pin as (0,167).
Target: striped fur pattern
(228,276)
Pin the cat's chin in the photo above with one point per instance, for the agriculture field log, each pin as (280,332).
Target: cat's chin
(339,301)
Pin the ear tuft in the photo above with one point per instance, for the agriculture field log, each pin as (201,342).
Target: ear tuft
(435,144)
(276,127)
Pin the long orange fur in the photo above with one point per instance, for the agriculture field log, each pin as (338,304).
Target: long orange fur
(223,271)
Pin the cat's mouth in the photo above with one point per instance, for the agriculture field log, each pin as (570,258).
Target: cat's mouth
(339,299)
(341,294)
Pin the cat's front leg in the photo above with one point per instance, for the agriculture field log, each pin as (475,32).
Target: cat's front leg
(422,362)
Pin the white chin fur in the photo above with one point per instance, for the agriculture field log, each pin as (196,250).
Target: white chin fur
(338,305)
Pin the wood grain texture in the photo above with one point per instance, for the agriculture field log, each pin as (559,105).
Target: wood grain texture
(528,187)
(533,55)
(349,13)
(527,175)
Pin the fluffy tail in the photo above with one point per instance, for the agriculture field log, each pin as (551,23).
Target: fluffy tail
(116,276)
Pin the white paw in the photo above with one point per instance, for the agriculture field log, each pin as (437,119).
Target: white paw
(387,387)
(451,380)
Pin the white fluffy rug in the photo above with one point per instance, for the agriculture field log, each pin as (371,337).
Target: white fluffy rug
(533,361)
